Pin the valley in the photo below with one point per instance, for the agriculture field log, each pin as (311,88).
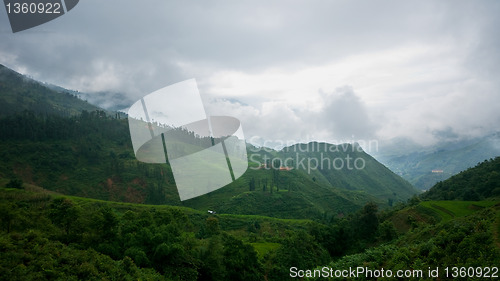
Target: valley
(75,204)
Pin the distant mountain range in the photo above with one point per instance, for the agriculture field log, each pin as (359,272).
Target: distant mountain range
(425,166)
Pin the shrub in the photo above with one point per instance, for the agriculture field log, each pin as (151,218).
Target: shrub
(15,183)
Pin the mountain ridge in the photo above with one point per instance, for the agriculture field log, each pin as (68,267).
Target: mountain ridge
(90,154)
(19,93)
(425,166)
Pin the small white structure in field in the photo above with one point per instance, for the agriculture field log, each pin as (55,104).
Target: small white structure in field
(211,212)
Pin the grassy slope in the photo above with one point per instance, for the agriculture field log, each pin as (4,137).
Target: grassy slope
(301,197)
(432,212)
(372,178)
(271,231)
(307,193)
(34,239)
(448,210)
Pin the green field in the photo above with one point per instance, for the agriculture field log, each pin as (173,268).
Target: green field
(263,248)
(448,210)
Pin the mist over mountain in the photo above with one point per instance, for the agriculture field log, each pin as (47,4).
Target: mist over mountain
(90,154)
(20,93)
(372,135)
(423,166)
(308,204)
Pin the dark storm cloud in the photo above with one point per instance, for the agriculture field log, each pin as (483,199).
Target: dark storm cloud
(155,40)
(135,47)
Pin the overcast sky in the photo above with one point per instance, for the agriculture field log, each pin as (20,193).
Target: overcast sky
(289,70)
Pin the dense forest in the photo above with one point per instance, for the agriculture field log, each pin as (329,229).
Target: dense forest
(48,236)
(88,155)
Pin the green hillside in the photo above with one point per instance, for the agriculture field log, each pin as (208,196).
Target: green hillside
(436,240)
(477,183)
(45,235)
(49,237)
(52,139)
(306,190)
(19,93)
(351,169)
(448,210)
(91,155)
(452,247)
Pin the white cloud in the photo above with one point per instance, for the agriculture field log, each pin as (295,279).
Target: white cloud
(410,91)
(415,68)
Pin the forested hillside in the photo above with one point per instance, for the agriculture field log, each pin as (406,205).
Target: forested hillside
(461,249)
(477,183)
(49,236)
(91,155)
(19,93)
(87,155)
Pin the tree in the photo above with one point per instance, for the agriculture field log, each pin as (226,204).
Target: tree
(15,183)
(212,266)
(212,226)
(275,173)
(368,221)
(240,260)
(106,222)
(300,250)
(387,231)
(471,195)
(251,184)
(414,200)
(390,202)
(8,214)
(64,213)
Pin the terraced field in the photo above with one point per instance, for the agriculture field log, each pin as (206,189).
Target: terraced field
(448,210)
